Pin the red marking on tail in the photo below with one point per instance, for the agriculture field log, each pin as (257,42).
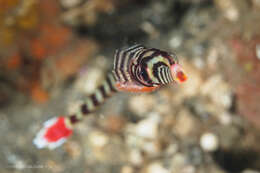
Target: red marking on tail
(57,131)
(53,134)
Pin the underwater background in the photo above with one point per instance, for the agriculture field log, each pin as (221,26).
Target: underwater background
(54,53)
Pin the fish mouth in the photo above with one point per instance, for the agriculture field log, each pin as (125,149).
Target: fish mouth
(178,73)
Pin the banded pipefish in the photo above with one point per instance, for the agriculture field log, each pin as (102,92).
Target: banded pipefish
(135,69)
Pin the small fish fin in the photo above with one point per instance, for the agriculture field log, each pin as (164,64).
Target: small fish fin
(53,134)
(134,87)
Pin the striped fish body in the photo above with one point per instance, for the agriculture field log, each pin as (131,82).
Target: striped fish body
(141,69)
(56,130)
(136,69)
(91,103)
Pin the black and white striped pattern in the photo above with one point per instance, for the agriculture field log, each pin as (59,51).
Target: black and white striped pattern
(147,67)
(163,74)
(90,104)
(122,60)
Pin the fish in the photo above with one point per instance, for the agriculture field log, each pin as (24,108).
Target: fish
(136,69)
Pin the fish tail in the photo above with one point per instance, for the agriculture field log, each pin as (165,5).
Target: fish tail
(56,130)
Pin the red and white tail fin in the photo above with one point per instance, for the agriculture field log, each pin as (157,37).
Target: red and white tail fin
(53,134)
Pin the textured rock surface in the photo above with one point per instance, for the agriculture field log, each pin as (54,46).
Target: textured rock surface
(53,53)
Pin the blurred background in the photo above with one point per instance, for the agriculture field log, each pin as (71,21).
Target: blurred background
(53,53)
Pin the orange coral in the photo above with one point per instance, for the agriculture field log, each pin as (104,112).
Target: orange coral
(38,94)
(54,36)
(6,4)
(30,32)
(38,49)
(72,60)
(28,21)
(14,61)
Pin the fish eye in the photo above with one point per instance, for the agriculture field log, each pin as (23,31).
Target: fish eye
(174,57)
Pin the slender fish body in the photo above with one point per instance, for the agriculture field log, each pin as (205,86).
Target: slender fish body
(90,104)
(135,69)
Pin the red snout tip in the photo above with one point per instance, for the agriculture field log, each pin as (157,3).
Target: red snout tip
(181,76)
